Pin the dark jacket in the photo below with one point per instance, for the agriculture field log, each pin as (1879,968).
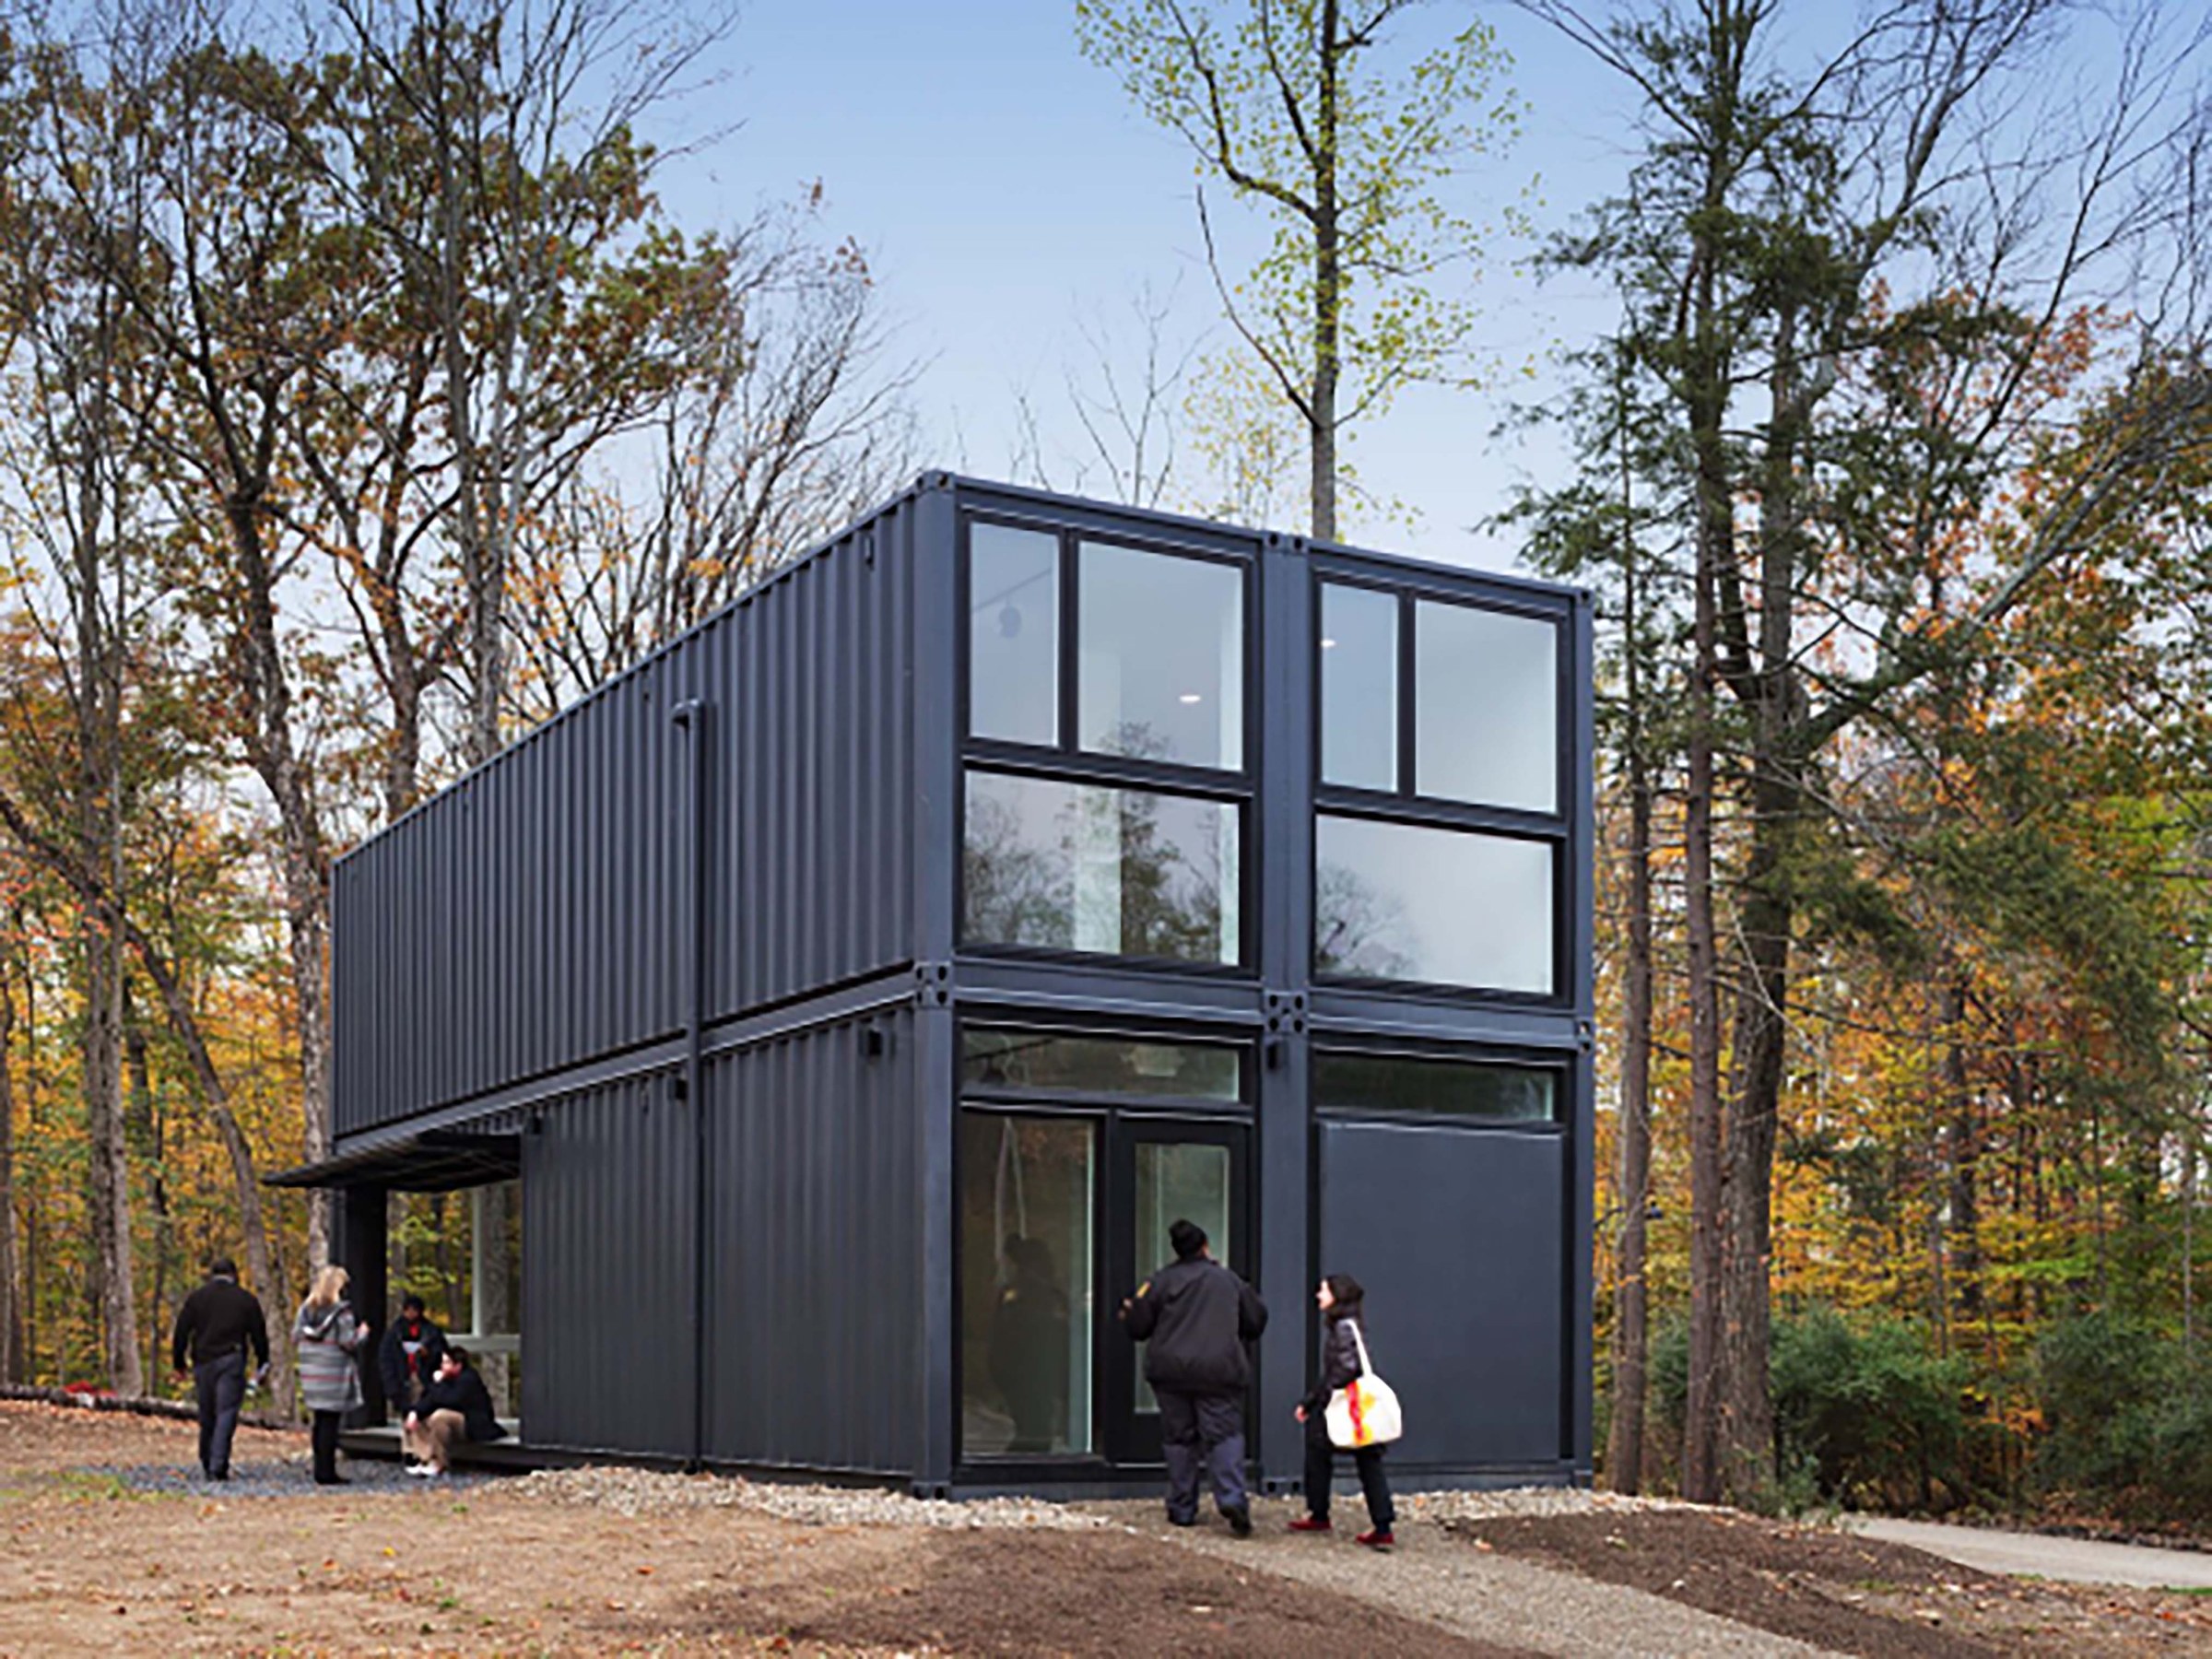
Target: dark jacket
(1195,1317)
(1339,1357)
(221,1317)
(392,1355)
(466,1394)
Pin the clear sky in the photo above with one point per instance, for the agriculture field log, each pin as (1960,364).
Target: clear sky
(1005,190)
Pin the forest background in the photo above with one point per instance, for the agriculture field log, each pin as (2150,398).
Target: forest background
(362,401)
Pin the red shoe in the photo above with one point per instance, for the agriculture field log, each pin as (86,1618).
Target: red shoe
(1310,1523)
(1377,1539)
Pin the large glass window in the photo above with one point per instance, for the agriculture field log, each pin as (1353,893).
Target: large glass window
(1176,1180)
(1358,686)
(1486,708)
(1013,634)
(1521,1094)
(1160,649)
(1028,1231)
(1408,901)
(1081,866)
(996,1057)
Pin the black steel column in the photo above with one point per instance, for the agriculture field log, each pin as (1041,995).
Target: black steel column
(362,1250)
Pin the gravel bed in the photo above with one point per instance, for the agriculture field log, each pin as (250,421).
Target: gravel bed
(630,1492)
(265,1478)
(1514,1502)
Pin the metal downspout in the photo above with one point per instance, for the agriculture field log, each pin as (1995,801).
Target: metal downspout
(690,716)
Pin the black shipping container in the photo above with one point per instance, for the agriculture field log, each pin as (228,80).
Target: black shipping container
(858,988)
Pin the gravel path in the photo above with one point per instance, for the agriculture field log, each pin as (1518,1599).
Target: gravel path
(267,1479)
(1471,1592)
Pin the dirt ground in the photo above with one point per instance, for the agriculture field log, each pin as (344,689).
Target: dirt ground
(94,1564)
(90,1567)
(1847,1595)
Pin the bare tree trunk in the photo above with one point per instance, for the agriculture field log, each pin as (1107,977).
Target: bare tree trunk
(115,1293)
(1624,1439)
(1329,282)
(13,1366)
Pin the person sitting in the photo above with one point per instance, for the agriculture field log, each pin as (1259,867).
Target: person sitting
(409,1355)
(455,1406)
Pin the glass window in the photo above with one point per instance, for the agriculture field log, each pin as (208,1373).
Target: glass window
(1486,713)
(1027,1231)
(994,1058)
(1410,902)
(1176,1180)
(1013,634)
(1080,866)
(1520,1094)
(1162,657)
(1358,686)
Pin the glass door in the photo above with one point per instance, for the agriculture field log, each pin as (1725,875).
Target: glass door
(1161,1172)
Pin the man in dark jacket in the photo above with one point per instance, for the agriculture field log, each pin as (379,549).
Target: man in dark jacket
(1196,1316)
(409,1355)
(455,1406)
(215,1327)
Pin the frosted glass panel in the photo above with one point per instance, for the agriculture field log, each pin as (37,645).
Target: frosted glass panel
(1486,708)
(1080,866)
(1359,687)
(1406,901)
(1013,634)
(1162,657)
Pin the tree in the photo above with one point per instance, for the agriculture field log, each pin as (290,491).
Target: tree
(1290,103)
(1776,218)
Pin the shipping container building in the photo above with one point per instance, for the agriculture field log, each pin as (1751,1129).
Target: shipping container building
(854,992)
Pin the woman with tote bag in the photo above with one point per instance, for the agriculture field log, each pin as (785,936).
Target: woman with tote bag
(324,1336)
(1349,1399)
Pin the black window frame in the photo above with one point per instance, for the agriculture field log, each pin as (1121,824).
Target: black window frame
(1067,761)
(1405,804)
(1560,1064)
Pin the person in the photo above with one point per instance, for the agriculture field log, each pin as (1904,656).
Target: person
(1028,1344)
(1342,1301)
(219,1321)
(324,1335)
(407,1357)
(1196,1316)
(455,1406)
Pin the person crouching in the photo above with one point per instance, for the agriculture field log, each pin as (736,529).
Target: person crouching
(454,1405)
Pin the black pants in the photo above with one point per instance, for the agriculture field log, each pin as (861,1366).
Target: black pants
(324,1436)
(218,1388)
(1202,1432)
(1321,1470)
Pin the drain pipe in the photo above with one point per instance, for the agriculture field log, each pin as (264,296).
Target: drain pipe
(691,717)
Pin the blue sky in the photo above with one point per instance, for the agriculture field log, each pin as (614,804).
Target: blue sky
(1005,189)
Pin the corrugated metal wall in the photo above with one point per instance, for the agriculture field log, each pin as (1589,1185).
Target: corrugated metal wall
(816,1297)
(607,1271)
(526,919)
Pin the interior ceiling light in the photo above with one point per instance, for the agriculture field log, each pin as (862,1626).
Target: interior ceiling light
(1190,697)
(1328,644)
(1010,623)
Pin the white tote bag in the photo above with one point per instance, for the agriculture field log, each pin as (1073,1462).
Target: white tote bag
(1364,1412)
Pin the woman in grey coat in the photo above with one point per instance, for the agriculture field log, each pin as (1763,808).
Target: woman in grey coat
(324,1336)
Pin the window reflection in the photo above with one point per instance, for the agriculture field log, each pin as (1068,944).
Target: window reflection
(1027,1231)
(994,1057)
(1078,867)
(1160,657)
(1455,1088)
(1486,707)
(1411,902)
(1358,686)
(1013,634)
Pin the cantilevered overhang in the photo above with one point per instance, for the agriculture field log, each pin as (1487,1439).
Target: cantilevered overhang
(435,1160)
